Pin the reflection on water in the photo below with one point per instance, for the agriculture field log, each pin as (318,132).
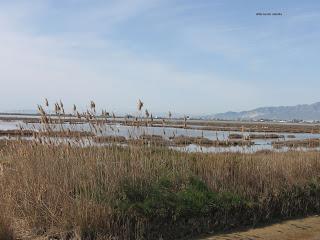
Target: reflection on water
(242,149)
(167,132)
(10,125)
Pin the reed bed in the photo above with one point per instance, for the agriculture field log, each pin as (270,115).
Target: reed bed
(202,141)
(32,133)
(17,133)
(110,139)
(305,143)
(145,191)
(140,192)
(213,125)
(291,136)
(256,136)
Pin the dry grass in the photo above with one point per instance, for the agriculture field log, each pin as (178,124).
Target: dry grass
(255,136)
(306,143)
(32,133)
(6,230)
(15,133)
(291,136)
(146,191)
(264,136)
(110,139)
(236,136)
(65,188)
(79,118)
(201,141)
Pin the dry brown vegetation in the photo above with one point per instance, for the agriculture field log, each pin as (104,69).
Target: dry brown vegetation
(255,136)
(145,191)
(186,140)
(236,136)
(32,133)
(57,189)
(306,143)
(264,136)
(110,139)
(291,136)
(6,230)
(257,127)
(177,123)
(15,133)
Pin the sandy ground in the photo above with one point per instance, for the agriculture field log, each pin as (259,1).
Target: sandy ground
(304,229)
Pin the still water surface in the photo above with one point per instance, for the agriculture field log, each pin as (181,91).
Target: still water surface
(166,132)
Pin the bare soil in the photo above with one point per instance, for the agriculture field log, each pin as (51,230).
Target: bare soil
(299,229)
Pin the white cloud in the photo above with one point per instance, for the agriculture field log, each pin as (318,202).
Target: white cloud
(80,66)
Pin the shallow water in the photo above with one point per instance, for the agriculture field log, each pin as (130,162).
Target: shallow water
(167,132)
(10,125)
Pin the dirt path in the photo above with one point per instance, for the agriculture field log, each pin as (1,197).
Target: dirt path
(302,229)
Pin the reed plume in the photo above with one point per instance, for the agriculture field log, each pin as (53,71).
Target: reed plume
(140,105)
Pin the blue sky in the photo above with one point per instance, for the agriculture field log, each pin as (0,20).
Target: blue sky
(187,56)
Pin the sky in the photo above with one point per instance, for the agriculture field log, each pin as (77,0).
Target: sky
(184,56)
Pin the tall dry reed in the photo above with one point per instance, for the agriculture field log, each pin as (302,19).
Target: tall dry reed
(76,188)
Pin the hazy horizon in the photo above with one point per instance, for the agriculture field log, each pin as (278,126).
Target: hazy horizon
(134,112)
(195,57)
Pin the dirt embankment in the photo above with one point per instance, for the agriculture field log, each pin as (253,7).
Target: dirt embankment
(300,229)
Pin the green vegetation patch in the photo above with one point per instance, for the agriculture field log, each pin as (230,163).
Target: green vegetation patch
(181,208)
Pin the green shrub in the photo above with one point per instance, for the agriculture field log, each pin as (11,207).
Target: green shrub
(176,206)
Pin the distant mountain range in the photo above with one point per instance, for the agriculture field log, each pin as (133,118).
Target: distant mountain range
(305,112)
(20,111)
